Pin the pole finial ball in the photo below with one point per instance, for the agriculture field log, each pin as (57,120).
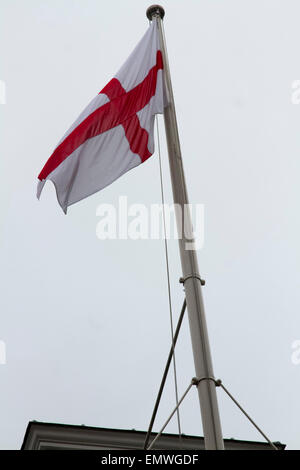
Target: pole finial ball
(155,10)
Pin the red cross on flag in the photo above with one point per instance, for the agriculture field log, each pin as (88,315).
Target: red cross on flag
(115,131)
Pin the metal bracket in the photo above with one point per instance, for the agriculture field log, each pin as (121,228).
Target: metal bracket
(196,276)
(196,381)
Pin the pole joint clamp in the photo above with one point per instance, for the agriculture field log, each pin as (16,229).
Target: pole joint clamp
(195,276)
(196,381)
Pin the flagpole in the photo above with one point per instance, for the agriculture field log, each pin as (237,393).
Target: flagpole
(192,283)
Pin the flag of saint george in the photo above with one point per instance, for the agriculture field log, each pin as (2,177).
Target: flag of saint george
(114,133)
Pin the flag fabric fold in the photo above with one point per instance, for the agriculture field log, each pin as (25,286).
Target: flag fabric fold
(115,131)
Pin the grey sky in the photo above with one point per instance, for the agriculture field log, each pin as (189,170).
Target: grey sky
(86,322)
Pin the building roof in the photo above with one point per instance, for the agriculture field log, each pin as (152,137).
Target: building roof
(51,436)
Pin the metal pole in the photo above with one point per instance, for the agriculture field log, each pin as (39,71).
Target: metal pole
(202,358)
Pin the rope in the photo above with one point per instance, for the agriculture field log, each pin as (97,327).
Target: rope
(165,375)
(168,276)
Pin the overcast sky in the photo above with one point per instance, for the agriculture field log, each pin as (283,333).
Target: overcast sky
(86,322)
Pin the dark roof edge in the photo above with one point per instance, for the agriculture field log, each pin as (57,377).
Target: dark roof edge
(95,428)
